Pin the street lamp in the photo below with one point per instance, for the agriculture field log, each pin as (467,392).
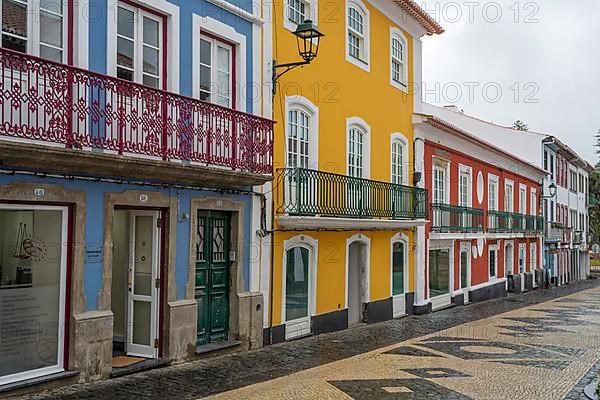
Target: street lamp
(552,189)
(308,37)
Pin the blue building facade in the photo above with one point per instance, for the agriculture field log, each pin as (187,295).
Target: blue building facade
(131,150)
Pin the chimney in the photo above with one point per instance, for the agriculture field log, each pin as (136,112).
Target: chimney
(454,108)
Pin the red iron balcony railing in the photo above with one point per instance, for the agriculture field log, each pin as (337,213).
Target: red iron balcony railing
(56,104)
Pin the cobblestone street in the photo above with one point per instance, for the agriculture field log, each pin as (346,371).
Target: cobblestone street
(538,345)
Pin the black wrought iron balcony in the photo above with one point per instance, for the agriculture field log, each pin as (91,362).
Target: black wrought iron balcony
(307,192)
(501,222)
(446,218)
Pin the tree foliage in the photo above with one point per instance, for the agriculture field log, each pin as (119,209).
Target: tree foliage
(521,126)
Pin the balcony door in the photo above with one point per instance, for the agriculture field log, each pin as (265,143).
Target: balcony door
(217,74)
(440,189)
(298,157)
(464,197)
(357,200)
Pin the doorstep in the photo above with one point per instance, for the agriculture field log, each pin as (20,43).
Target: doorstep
(40,380)
(217,346)
(141,366)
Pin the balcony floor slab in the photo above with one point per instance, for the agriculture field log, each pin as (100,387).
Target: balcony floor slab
(72,162)
(346,224)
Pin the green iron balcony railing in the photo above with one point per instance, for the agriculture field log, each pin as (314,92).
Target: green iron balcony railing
(448,219)
(501,222)
(308,192)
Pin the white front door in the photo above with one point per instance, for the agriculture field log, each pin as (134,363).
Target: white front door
(142,299)
(522,261)
(465,269)
(298,285)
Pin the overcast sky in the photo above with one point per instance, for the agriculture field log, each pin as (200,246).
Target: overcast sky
(544,56)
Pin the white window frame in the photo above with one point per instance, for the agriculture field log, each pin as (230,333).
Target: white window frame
(138,43)
(465,247)
(493,180)
(215,44)
(228,33)
(512,257)
(533,258)
(403,141)
(59,366)
(163,7)
(301,326)
(533,206)
(509,183)
(33,38)
(397,34)
(440,163)
(523,199)
(522,252)
(494,248)
(465,170)
(398,300)
(365,63)
(312,14)
(303,104)
(357,122)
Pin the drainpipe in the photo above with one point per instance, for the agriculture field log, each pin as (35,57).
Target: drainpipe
(272,264)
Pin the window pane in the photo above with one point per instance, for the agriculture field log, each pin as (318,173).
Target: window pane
(51,29)
(205,79)
(14,18)
(205,52)
(125,53)
(151,81)
(151,60)
(296,287)
(125,22)
(125,74)
(50,53)
(439,272)
(398,269)
(13,43)
(464,266)
(223,59)
(54,6)
(151,32)
(30,282)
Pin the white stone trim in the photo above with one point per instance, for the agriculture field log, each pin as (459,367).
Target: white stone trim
(240,12)
(226,32)
(311,109)
(398,34)
(346,224)
(360,123)
(366,63)
(171,11)
(397,136)
(81,28)
(399,301)
(303,326)
(366,284)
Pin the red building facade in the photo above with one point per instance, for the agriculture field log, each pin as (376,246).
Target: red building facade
(484,235)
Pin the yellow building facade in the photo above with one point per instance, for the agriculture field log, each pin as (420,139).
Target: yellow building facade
(346,207)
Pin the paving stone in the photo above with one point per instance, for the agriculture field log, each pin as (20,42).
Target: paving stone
(475,357)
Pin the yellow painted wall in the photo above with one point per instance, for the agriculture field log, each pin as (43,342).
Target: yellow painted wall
(341,90)
(331,269)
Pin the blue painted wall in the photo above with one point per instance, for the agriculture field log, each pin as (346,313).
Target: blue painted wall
(94,229)
(187,8)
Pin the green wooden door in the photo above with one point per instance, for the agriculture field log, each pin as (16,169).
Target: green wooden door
(212,276)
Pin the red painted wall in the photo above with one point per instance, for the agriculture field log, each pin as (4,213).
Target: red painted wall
(480,265)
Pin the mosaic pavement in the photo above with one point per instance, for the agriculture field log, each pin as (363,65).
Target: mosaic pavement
(537,352)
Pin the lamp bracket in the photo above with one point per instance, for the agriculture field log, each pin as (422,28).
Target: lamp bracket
(286,68)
